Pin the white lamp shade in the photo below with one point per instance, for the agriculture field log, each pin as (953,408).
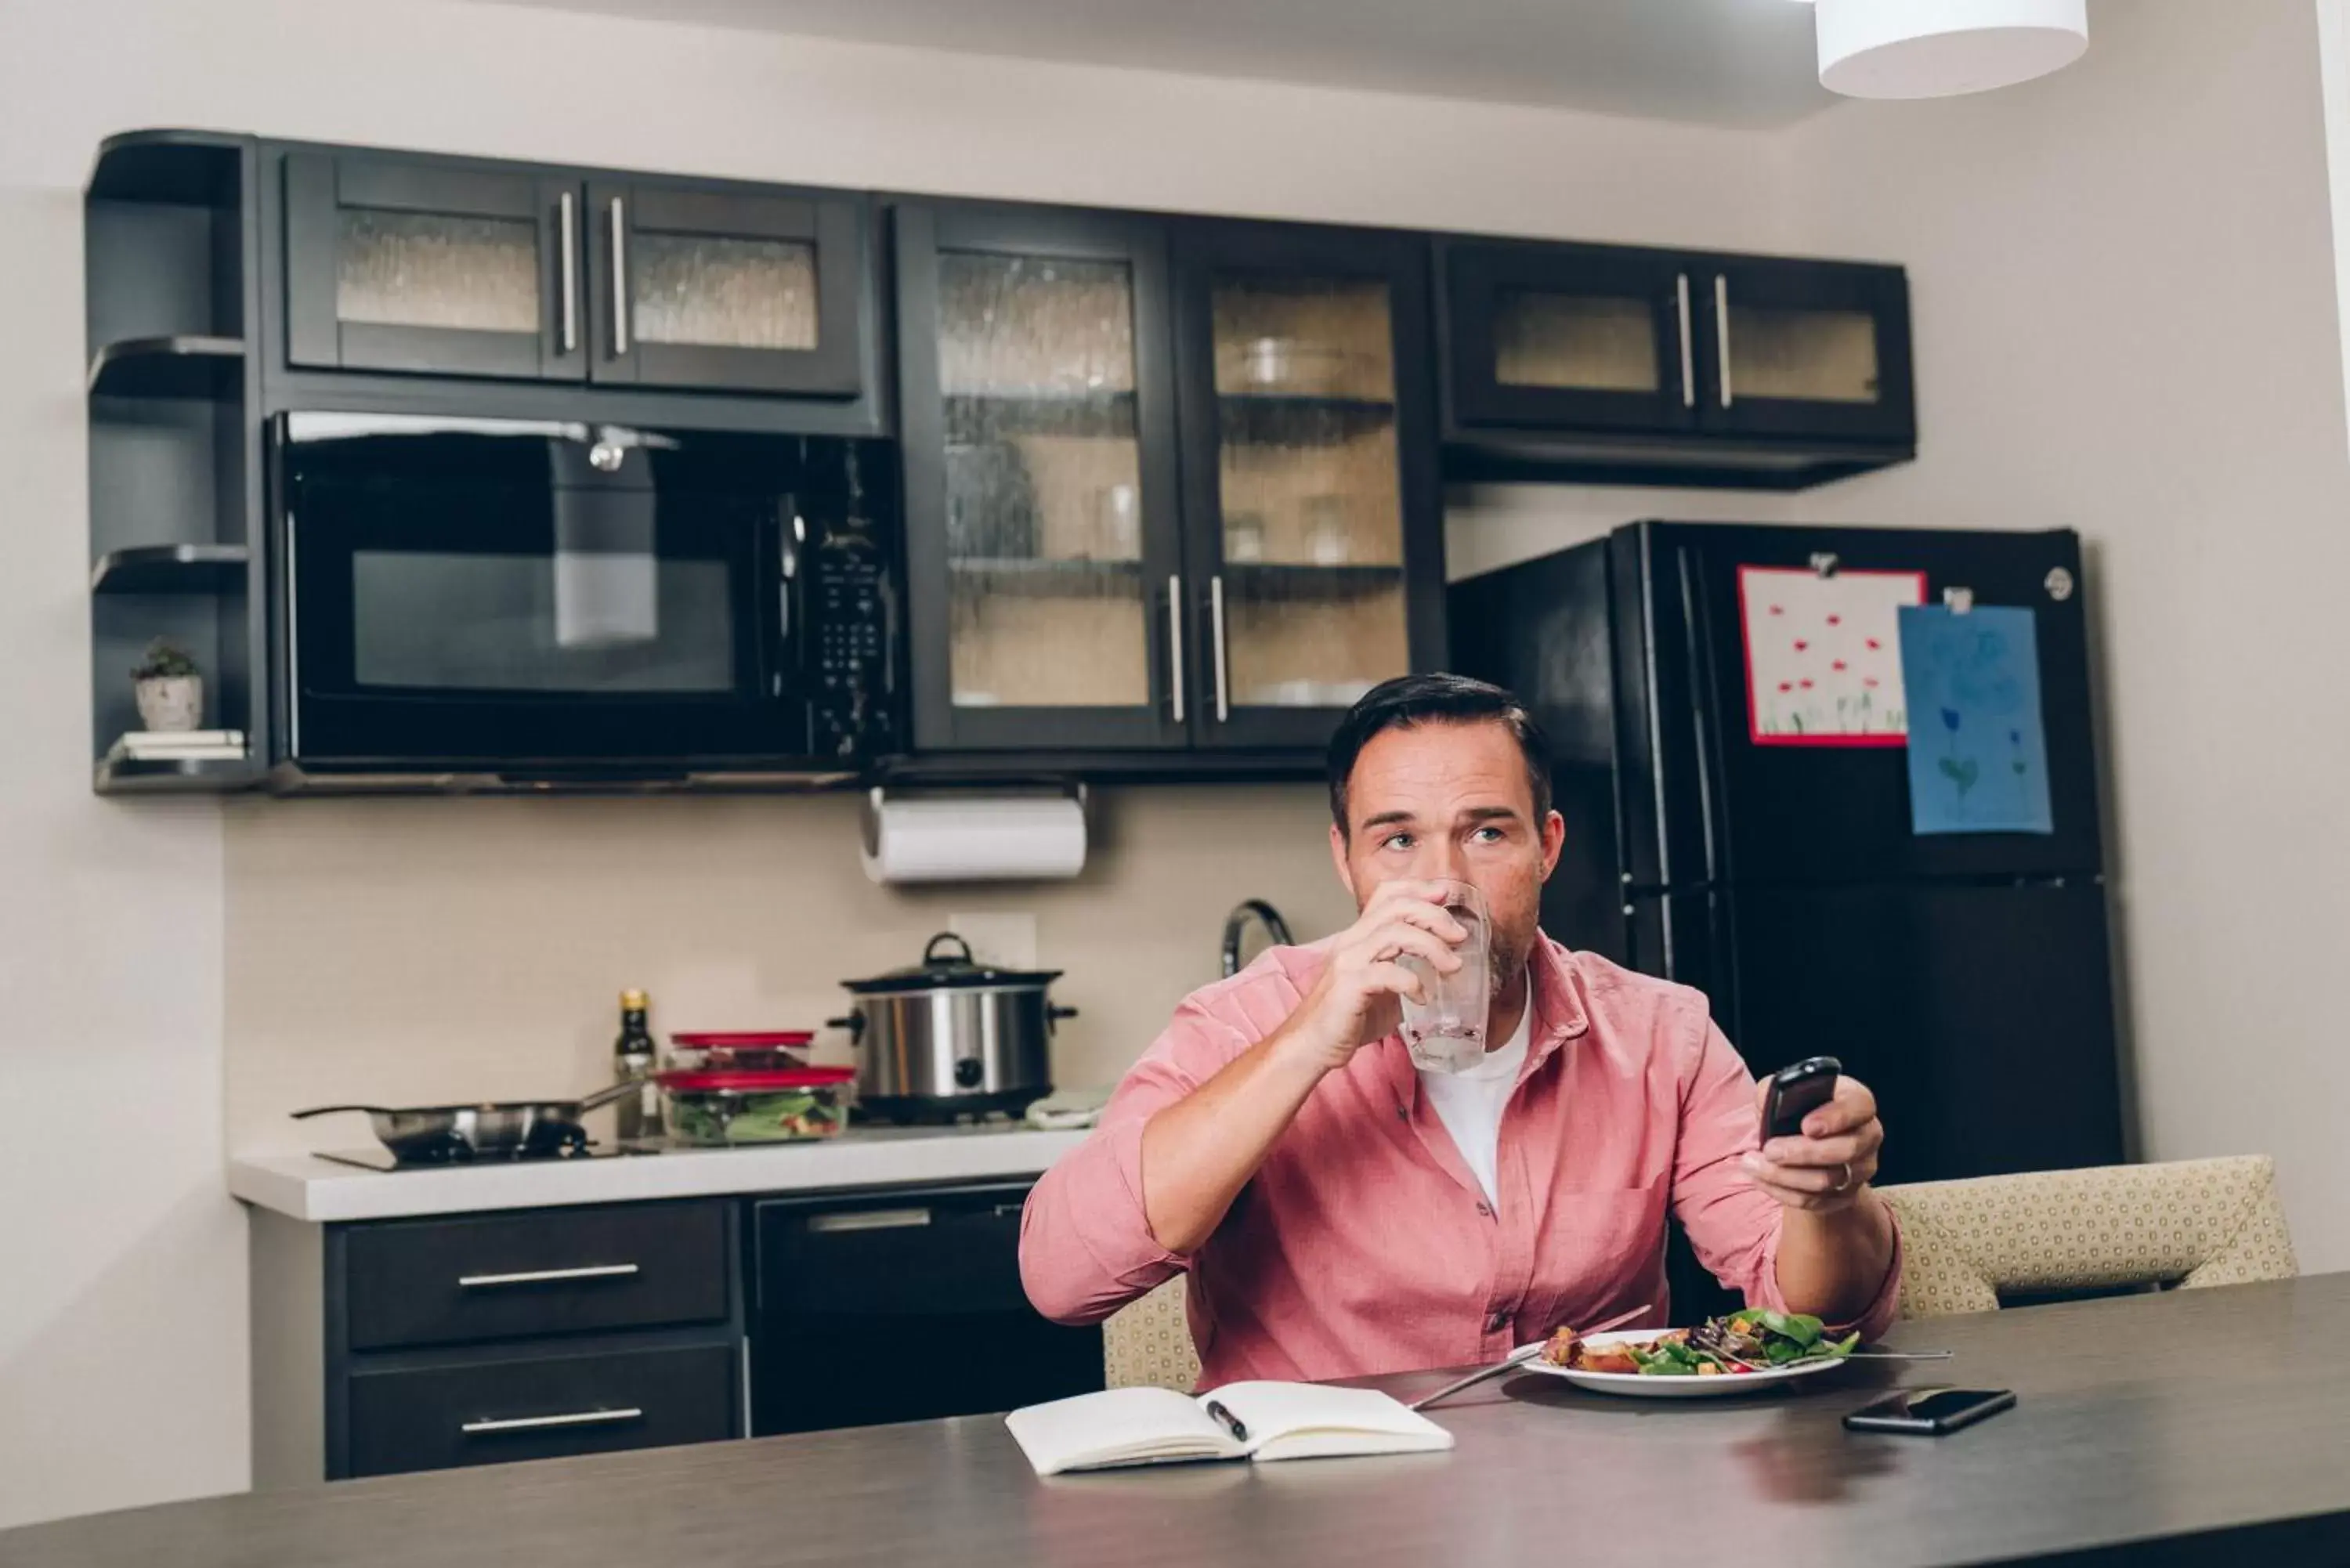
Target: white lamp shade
(1932,48)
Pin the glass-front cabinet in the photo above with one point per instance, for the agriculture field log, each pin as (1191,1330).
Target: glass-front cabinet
(1628,345)
(1168,485)
(1043,539)
(1311,492)
(462,269)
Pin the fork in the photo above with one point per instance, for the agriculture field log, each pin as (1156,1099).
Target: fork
(1516,1359)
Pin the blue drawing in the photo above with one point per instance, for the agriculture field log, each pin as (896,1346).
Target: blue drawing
(1984,769)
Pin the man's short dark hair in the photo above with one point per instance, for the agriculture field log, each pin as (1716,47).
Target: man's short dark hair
(1413,700)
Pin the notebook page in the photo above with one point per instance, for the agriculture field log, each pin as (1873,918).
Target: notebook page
(1306,1420)
(1117,1425)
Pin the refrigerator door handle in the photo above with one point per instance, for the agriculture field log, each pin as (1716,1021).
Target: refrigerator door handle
(1703,700)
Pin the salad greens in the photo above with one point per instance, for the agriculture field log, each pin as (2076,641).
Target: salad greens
(1755,1340)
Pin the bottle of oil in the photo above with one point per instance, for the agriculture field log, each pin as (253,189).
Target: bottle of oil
(635,1059)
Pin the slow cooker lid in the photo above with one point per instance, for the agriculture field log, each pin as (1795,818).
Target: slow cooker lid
(939,971)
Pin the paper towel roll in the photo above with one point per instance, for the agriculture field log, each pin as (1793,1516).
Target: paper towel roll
(975,838)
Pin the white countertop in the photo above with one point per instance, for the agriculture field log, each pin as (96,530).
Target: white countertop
(305,1187)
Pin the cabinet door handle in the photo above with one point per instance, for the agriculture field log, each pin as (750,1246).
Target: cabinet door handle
(1688,353)
(1722,331)
(619,278)
(869,1220)
(567,241)
(1216,630)
(1175,641)
(545,1276)
(539,1423)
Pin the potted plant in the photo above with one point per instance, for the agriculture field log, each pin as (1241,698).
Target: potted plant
(171,692)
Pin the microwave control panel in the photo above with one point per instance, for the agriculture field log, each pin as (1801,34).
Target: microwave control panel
(853,626)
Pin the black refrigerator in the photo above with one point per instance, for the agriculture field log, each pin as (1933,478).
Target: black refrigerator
(1965,976)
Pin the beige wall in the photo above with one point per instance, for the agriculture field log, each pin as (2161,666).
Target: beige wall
(392,947)
(2123,293)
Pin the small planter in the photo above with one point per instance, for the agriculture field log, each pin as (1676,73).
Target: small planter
(171,703)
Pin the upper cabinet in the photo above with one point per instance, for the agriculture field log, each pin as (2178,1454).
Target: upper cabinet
(400,266)
(1044,554)
(1169,484)
(752,292)
(1635,366)
(1312,507)
(450,268)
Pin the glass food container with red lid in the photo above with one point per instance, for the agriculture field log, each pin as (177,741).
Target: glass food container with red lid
(740,1051)
(721,1109)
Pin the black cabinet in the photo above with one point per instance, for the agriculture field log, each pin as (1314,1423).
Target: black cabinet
(394,264)
(1170,484)
(540,1407)
(449,267)
(1641,366)
(1043,536)
(707,288)
(1570,338)
(901,1308)
(442,1282)
(1313,511)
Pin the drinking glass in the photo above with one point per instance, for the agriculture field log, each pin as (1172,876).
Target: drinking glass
(1446,1034)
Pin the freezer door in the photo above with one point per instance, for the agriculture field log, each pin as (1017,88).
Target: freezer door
(1980,1016)
(1733,809)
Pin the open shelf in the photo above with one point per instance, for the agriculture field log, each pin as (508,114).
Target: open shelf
(128,775)
(178,365)
(170,569)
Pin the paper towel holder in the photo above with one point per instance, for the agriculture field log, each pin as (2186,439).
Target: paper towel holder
(870,813)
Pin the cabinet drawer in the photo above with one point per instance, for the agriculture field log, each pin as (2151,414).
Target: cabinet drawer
(541,1408)
(441,1281)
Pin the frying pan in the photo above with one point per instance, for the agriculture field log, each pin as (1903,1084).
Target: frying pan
(461,1132)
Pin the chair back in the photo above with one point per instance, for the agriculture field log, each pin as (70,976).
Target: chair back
(1147,1344)
(2187,1223)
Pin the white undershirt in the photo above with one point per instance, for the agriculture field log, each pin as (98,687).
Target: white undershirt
(1469,1103)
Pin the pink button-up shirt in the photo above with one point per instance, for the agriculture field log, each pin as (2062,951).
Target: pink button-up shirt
(1364,1244)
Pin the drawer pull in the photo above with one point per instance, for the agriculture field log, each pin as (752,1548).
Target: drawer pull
(547,1276)
(871,1220)
(536,1423)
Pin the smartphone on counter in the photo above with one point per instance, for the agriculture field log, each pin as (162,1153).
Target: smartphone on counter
(1797,1091)
(1930,1412)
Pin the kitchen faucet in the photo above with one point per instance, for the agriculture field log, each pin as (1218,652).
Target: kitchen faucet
(1236,925)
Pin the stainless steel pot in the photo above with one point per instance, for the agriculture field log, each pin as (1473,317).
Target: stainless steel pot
(951,1037)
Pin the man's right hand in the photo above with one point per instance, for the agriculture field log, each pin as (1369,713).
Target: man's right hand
(1354,1002)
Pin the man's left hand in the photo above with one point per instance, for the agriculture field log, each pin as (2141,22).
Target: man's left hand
(1823,1169)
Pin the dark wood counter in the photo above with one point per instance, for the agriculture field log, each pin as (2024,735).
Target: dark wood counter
(2199,1427)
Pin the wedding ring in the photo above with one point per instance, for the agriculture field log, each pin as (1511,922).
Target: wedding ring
(1844,1176)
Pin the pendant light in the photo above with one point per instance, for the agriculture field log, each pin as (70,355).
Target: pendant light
(1934,48)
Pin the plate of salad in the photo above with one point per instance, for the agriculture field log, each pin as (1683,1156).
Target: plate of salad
(1740,1353)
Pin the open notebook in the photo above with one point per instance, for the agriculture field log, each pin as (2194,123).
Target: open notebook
(1158,1426)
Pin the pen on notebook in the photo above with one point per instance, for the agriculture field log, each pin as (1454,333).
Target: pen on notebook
(1231,1422)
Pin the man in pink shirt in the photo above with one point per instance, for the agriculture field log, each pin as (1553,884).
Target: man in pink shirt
(1342,1213)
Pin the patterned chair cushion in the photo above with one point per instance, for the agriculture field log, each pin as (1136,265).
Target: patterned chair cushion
(1147,1344)
(2188,1222)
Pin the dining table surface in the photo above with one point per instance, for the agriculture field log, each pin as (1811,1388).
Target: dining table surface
(2186,1427)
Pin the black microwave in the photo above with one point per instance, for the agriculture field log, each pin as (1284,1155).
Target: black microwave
(540,603)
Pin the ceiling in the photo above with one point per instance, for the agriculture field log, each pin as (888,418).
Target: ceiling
(1744,62)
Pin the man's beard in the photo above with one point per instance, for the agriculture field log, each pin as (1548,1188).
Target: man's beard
(1505,962)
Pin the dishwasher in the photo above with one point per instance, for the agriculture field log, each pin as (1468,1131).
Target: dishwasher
(870,1308)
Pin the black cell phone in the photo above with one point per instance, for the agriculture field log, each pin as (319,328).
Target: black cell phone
(1797,1091)
(1930,1412)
